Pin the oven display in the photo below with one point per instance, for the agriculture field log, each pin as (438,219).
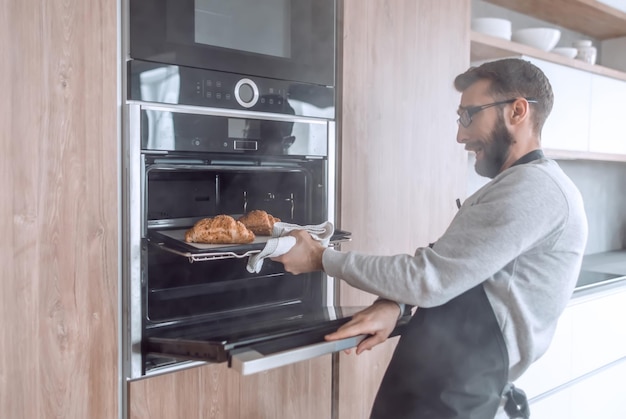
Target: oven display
(244,128)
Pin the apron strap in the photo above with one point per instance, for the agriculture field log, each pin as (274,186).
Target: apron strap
(516,405)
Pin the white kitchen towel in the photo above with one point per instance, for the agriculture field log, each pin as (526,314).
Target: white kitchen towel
(281,243)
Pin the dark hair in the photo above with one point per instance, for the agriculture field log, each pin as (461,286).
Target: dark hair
(510,78)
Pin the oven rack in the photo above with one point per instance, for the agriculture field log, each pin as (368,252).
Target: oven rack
(202,257)
(222,252)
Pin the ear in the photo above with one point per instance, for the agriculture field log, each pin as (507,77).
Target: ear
(519,111)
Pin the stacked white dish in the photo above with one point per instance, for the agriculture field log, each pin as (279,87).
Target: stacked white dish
(493,26)
(569,52)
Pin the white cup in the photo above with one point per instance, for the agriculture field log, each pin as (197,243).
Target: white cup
(586,51)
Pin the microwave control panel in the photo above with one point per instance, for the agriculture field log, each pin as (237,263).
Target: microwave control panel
(151,82)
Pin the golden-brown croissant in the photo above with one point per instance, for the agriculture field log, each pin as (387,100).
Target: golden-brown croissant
(221,229)
(259,222)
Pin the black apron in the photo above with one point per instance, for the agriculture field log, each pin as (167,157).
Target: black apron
(451,362)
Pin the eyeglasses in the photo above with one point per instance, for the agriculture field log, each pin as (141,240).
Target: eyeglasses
(465,117)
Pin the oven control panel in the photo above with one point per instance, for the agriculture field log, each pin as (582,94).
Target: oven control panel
(171,130)
(169,84)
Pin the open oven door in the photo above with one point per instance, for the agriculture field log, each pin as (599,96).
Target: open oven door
(262,343)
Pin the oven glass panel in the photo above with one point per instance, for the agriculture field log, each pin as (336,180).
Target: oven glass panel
(220,289)
(261,26)
(177,195)
(278,39)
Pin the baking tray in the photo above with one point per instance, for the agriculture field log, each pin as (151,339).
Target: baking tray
(173,240)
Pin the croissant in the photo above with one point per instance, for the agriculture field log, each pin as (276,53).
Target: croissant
(259,222)
(221,229)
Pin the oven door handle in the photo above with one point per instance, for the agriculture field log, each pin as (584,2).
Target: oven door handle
(250,361)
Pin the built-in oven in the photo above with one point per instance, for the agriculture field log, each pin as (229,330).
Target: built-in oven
(222,118)
(258,53)
(199,302)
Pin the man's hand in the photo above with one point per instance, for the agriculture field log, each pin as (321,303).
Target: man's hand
(378,321)
(305,256)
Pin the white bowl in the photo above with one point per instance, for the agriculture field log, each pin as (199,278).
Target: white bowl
(541,38)
(565,51)
(493,26)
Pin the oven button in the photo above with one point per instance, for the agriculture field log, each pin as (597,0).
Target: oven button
(246,93)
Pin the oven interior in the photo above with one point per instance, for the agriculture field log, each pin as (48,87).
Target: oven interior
(204,293)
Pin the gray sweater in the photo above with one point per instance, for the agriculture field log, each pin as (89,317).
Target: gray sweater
(522,235)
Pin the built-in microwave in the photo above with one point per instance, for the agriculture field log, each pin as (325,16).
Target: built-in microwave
(281,39)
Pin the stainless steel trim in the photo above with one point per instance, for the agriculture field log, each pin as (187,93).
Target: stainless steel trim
(140,163)
(134,225)
(599,284)
(328,287)
(251,168)
(332,171)
(251,362)
(179,366)
(235,113)
(121,51)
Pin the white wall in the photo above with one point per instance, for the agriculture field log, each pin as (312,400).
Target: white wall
(602,185)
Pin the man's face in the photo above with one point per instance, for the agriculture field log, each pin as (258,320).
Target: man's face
(487,135)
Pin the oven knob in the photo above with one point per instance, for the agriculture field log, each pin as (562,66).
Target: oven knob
(246,93)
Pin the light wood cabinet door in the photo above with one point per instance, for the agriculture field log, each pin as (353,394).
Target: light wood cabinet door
(58,209)
(301,390)
(401,168)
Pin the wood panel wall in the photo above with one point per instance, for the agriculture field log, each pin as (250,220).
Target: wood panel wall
(301,390)
(58,209)
(401,166)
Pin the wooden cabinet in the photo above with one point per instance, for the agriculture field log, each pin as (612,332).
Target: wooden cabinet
(402,168)
(558,405)
(586,116)
(59,210)
(555,366)
(599,336)
(582,371)
(301,390)
(592,17)
(607,133)
(567,128)
(400,163)
(600,395)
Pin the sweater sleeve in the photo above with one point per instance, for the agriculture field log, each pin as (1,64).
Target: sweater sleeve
(504,219)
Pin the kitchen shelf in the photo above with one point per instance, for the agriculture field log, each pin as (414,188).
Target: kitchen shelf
(485,47)
(583,155)
(585,16)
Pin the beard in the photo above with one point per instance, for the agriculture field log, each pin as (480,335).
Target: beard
(496,150)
